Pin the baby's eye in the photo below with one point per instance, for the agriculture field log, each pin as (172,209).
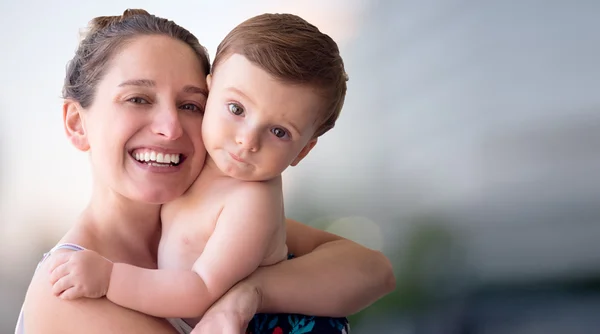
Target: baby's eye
(235,109)
(280,133)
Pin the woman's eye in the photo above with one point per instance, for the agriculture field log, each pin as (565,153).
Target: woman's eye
(235,109)
(191,107)
(138,100)
(279,133)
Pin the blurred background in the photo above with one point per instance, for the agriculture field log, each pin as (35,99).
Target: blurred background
(465,152)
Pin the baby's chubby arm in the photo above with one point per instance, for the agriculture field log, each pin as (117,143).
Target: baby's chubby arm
(242,237)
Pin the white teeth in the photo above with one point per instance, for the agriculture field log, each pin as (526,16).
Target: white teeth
(157,159)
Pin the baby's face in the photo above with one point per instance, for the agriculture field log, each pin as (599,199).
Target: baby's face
(254,125)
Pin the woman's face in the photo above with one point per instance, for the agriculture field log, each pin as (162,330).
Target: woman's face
(143,129)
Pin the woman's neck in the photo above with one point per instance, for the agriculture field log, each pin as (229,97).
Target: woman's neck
(121,229)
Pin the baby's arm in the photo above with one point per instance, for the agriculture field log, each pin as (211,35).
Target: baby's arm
(240,241)
(87,274)
(44,313)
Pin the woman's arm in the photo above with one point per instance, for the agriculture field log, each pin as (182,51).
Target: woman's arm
(331,276)
(48,314)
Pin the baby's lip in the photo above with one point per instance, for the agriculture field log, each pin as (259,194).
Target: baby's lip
(237,157)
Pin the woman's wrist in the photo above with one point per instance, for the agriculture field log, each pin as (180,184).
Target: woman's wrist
(244,299)
(233,311)
(252,288)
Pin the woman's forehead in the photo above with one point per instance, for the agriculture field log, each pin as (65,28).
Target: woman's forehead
(160,59)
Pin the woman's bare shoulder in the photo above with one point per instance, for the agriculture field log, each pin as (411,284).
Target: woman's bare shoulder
(46,313)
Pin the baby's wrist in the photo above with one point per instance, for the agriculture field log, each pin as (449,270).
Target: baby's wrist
(109,278)
(111,283)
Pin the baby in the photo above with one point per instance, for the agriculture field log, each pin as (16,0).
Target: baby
(276,85)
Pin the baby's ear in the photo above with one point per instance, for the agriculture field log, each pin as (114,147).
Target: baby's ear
(74,127)
(304,151)
(208,80)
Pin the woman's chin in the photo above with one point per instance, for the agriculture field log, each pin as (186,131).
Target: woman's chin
(159,196)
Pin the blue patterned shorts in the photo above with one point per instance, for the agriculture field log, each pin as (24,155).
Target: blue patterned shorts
(296,323)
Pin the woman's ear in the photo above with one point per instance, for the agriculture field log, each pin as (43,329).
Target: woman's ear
(74,127)
(304,151)
(208,80)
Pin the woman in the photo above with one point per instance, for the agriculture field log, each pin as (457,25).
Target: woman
(139,81)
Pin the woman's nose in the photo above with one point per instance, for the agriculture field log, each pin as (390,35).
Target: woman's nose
(167,124)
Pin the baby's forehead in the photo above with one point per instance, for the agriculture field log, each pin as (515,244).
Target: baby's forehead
(254,83)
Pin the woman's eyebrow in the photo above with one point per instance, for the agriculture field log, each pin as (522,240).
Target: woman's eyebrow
(195,90)
(190,89)
(138,82)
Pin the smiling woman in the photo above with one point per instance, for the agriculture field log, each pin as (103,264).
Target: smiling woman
(148,96)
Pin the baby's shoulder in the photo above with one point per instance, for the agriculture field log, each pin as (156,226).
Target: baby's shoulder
(256,191)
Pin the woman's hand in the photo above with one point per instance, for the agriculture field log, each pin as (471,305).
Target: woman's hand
(232,313)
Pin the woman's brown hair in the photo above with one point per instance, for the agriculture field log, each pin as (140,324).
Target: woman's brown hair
(104,36)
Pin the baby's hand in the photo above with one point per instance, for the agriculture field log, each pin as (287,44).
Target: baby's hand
(79,274)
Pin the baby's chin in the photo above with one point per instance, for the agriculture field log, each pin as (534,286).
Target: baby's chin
(254,176)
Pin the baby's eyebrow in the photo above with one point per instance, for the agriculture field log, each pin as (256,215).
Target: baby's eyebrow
(242,94)
(294,127)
